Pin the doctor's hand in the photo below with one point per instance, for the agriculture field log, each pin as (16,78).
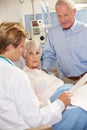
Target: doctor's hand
(65,98)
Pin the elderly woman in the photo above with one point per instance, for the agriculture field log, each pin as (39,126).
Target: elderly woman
(49,87)
(44,85)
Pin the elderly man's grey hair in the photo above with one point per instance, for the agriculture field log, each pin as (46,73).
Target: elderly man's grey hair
(32,45)
(68,2)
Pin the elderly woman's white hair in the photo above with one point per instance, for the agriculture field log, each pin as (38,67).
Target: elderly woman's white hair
(32,45)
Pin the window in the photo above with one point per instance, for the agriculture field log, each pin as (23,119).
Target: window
(80,1)
(81,4)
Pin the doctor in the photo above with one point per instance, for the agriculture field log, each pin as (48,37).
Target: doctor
(19,106)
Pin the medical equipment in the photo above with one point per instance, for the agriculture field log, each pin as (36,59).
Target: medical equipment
(46,14)
(37,30)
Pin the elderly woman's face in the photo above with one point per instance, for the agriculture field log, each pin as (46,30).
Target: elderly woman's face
(33,58)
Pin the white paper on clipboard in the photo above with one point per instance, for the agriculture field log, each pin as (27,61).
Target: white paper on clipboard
(79,91)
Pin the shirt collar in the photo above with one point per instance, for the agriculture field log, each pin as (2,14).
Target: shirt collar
(72,27)
(7,60)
